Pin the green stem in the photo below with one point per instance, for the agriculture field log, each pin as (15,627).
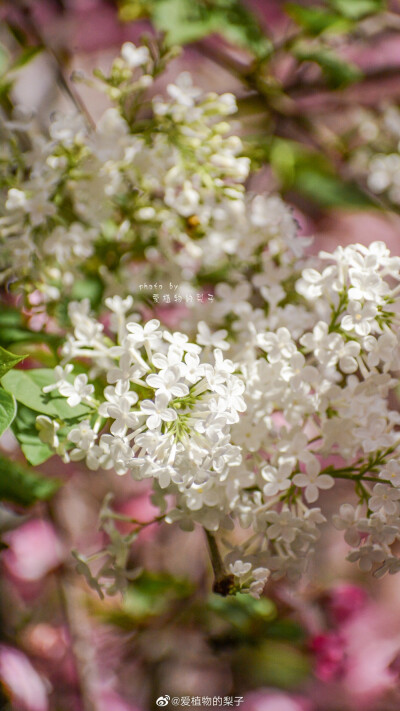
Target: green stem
(357,478)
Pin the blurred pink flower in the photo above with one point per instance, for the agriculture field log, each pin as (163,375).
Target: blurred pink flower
(141,509)
(344,601)
(347,227)
(330,655)
(47,641)
(272,700)
(109,700)
(172,316)
(372,641)
(26,688)
(34,550)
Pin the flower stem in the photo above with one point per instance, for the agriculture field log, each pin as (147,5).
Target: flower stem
(223,581)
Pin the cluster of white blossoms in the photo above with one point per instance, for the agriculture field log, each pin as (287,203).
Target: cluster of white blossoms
(272,390)
(378,159)
(252,441)
(136,199)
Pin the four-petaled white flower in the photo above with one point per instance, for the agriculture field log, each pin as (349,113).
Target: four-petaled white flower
(134,56)
(277,479)
(239,569)
(147,335)
(206,337)
(384,497)
(168,381)
(158,411)
(77,391)
(311,480)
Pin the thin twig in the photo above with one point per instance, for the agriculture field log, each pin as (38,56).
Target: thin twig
(61,78)
(75,620)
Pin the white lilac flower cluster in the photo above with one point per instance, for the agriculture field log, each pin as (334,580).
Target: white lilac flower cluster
(378,159)
(137,198)
(252,442)
(169,403)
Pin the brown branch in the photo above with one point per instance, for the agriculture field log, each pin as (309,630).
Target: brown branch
(223,581)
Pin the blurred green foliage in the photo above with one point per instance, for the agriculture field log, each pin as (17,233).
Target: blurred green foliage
(338,72)
(22,485)
(308,172)
(184,21)
(357,9)
(263,646)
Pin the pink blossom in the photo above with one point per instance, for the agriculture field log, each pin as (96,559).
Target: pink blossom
(141,509)
(173,316)
(272,700)
(329,650)
(34,550)
(26,688)
(372,641)
(344,601)
(109,700)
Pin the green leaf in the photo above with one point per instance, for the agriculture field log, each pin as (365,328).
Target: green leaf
(336,70)
(329,190)
(316,20)
(27,387)
(149,596)
(243,612)
(24,486)
(12,330)
(283,158)
(131,10)
(35,451)
(310,174)
(10,316)
(8,410)
(4,59)
(184,21)
(357,9)
(88,288)
(18,34)
(24,428)
(10,335)
(25,57)
(272,664)
(8,360)
(286,629)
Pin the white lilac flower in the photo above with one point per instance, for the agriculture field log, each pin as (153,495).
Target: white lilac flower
(168,381)
(384,497)
(77,391)
(311,480)
(240,569)
(313,342)
(360,318)
(282,525)
(391,472)
(367,556)
(48,431)
(277,479)
(207,338)
(347,520)
(134,56)
(158,411)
